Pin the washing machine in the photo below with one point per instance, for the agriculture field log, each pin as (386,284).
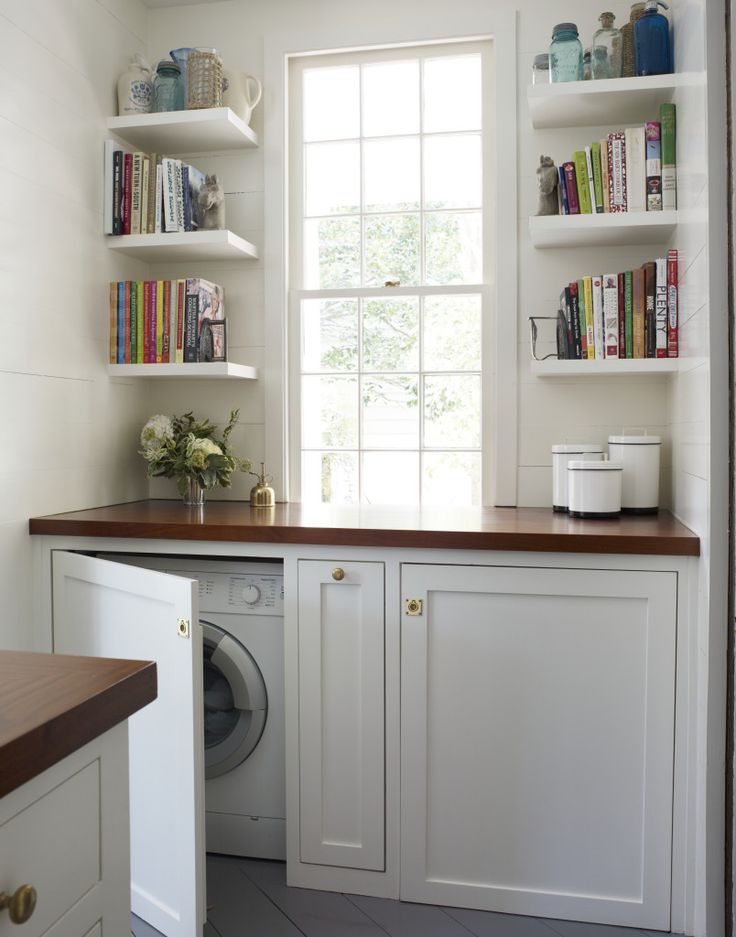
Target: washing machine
(241,614)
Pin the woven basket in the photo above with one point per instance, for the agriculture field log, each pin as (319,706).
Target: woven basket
(627,34)
(204,80)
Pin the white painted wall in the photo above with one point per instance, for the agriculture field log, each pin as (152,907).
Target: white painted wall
(575,410)
(69,433)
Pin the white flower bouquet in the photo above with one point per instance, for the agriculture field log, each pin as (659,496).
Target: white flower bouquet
(187,449)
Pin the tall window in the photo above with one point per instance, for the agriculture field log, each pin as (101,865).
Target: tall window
(387,274)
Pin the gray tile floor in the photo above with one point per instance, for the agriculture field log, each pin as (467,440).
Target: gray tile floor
(250,898)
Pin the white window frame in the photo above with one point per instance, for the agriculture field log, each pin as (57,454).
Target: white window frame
(500,391)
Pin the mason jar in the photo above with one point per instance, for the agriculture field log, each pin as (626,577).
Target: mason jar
(168,94)
(540,69)
(566,54)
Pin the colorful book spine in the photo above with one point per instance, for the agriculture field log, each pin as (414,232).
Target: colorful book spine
(571,188)
(120,355)
(639,305)
(580,329)
(152,318)
(591,178)
(629,312)
(667,120)
(170,222)
(610,315)
(589,318)
(166,323)
(151,201)
(622,315)
(191,307)
(133,321)
(598,326)
(581,175)
(127,190)
(117,192)
(567,312)
(146,322)
(604,176)
(159,199)
(126,322)
(672,299)
(187,198)
(139,335)
(562,191)
(179,188)
(113,323)
(652,134)
(181,293)
(145,186)
(636,172)
(159,321)
(135,194)
(650,319)
(660,307)
(172,321)
(617,171)
(595,156)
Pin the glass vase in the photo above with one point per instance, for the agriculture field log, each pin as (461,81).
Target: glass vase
(194,493)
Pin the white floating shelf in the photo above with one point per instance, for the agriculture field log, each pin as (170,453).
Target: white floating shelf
(185,246)
(615,229)
(213,370)
(606,102)
(184,132)
(553,367)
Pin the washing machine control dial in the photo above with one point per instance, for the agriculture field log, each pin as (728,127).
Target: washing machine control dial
(251,594)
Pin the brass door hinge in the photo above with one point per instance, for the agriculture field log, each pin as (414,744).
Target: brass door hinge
(182,627)
(413,606)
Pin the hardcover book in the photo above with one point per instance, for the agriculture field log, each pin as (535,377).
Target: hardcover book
(170,221)
(581,175)
(622,315)
(639,306)
(591,179)
(650,321)
(126,322)
(605,179)
(595,155)
(579,317)
(617,171)
(127,190)
(571,188)
(610,315)
(636,175)
(585,296)
(598,326)
(672,299)
(113,323)
(629,312)
(561,192)
(660,307)
(135,195)
(654,166)
(667,120)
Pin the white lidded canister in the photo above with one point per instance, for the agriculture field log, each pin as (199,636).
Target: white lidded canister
(594,488)
(640,458)
(562,453)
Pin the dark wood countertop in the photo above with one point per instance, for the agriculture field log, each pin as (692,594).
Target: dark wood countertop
(528,529)
(52,704)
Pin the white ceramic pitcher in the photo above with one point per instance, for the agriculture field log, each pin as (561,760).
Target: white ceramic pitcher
(240,92)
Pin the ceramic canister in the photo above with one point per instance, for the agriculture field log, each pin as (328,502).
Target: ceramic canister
(640,458)
(594,488)
(561,455)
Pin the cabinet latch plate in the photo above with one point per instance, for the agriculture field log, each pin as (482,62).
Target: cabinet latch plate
(182,627)
(413,606)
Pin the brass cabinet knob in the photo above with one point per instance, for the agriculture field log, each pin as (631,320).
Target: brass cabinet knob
(338,574)
(20,904)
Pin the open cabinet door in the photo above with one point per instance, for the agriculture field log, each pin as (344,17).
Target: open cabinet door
(104,609)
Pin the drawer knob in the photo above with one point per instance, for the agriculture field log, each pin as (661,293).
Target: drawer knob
(338,574)
(20,904)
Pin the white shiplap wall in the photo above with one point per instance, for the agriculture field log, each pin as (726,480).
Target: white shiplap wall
(69,434)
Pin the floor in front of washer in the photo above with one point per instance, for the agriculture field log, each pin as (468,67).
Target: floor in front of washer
(250,898)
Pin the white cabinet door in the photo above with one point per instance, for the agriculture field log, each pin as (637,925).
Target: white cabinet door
(537,741)
(112,610)
(341,714)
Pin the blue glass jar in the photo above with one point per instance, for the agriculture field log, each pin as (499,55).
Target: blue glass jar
(652,49)
(168,91)
(565,54)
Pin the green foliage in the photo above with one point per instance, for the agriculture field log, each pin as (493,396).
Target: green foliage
(186,447)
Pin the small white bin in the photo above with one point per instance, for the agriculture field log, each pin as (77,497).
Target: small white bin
(594,488)
(561,456)
(639,456)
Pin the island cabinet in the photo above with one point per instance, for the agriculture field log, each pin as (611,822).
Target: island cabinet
(494,727)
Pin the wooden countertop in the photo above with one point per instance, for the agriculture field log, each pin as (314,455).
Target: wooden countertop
(52,704)
(528,529)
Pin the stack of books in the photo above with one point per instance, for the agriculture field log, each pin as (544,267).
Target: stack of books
(629,170)
(621,315)
(149,193)
(167,321)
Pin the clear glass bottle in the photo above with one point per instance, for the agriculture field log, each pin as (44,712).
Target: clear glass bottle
(586,65)
(652,49)
(540,69)
(168,93)
(606,60)
(565,54)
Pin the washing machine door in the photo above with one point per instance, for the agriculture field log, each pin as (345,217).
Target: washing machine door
(235,701)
